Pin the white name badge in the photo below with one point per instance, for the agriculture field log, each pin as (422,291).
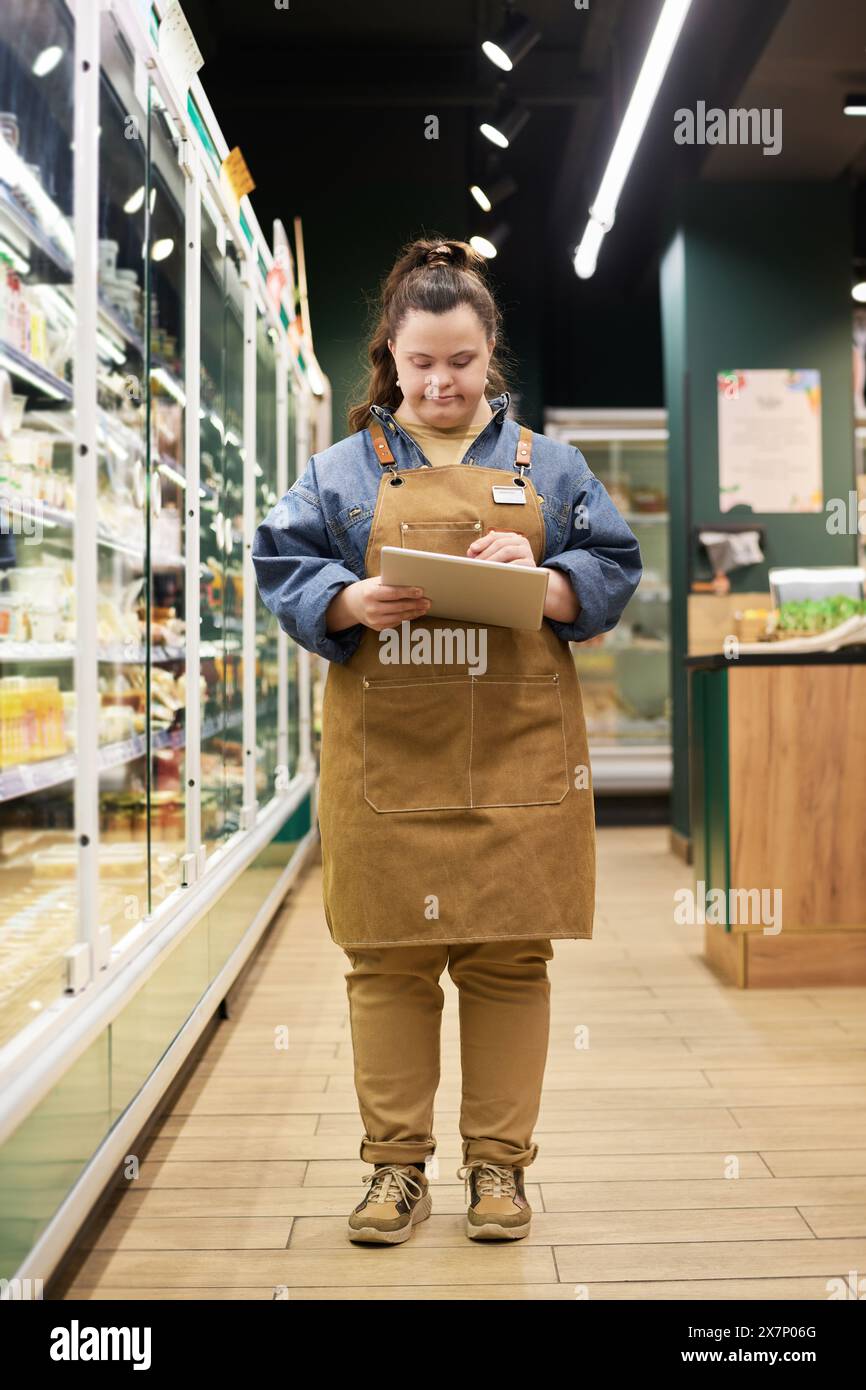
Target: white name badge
(509,494)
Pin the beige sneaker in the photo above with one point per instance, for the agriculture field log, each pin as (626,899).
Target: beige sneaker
(498,1208)
(399,1196)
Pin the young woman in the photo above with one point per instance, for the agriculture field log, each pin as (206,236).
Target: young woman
(455,808)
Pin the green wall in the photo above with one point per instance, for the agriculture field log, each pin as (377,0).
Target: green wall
(753,275)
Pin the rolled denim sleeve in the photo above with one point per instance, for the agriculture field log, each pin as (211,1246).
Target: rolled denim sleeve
(601,558)
(298,574)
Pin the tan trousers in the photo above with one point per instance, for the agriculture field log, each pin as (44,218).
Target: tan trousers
(395,1010)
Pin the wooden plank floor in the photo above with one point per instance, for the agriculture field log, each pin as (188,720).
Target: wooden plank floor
(709,1143)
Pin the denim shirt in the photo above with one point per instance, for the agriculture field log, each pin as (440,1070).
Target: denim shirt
(313,541)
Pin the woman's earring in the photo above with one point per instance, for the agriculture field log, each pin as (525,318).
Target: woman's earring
(398,383)
(487,381)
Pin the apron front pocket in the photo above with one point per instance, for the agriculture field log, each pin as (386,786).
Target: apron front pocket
(518,753)
(443,537)
(417,736)
(463,742)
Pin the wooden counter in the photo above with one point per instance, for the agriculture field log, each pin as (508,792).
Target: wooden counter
(778,808)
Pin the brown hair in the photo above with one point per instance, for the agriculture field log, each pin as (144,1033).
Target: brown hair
(432,274)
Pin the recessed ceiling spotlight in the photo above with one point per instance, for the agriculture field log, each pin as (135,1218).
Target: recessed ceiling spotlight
(490,244)
(505,124)
(513,41)
(496,193)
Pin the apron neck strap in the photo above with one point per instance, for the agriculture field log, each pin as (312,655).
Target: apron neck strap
(380,443)
(522,459)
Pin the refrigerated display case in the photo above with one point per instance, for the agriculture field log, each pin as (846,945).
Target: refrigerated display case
(860,480)
(38,887)
(157,773)
(625,674)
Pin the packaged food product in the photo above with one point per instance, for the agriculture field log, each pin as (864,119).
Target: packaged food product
(31,720)
(43,622)
(39,584)
(116,724)
(12,624)
(649,499)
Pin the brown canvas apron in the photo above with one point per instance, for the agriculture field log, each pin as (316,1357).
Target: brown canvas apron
(453,806)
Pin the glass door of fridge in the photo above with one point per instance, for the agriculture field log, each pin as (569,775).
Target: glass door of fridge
(212,534)
(124,489)
(294,466)
(166,599)
(268,769)
(38,851)
(233,544)
(625,674)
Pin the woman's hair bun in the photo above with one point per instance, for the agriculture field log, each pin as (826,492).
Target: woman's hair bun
(459,255)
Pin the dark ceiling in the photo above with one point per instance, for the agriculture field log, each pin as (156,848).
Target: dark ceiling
(269,72)
(318,94)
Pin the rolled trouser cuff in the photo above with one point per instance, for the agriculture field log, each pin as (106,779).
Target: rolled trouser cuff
(497,1152)
(396,1150)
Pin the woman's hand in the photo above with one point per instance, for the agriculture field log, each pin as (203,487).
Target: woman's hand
(513,548)
(507,547)
(375,604)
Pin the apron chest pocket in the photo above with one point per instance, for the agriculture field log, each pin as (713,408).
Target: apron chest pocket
(443,537)
(436,743)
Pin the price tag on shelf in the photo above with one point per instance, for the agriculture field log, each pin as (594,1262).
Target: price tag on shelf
(235,175)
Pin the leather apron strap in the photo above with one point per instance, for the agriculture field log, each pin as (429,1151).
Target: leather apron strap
(380,443)
(522,458)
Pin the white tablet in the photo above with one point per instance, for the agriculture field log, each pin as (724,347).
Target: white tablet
(472,591)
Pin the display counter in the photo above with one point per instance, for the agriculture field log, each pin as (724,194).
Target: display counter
(778,803)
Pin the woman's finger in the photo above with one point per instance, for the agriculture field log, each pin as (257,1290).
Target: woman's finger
(391,610)
(389,592)
(505,552)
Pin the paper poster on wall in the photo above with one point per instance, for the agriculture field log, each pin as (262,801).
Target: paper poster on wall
(770,440)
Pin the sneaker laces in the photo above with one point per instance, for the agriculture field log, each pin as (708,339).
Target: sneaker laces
(494,1179)
(382,1180)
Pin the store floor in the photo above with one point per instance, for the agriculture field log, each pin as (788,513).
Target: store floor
(245,1190)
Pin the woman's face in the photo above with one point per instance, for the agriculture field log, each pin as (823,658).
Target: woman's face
(442,362)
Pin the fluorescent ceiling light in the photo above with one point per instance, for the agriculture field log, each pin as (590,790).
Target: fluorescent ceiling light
(650,77)
(859,292)
(855,104)
(587,252)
